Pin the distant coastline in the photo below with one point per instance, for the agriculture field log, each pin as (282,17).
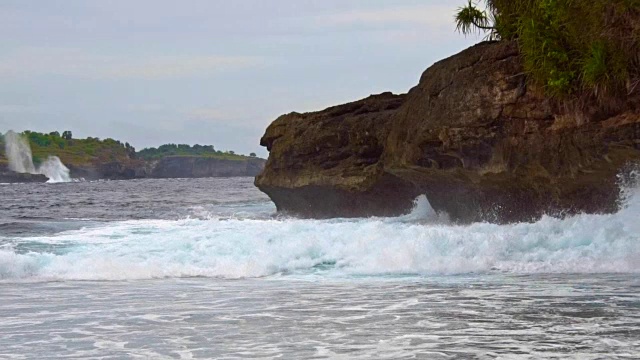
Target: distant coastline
(93,158)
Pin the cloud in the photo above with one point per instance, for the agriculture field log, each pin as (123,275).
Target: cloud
(145,108)
(400,25)
(243,117)
(34,61)
(208,114)
(427,15)
(19,109)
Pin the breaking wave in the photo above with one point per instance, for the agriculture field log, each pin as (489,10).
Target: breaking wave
(419,244)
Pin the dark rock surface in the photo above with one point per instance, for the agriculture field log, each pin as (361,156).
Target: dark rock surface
(328,163)
(170,167)
(473,136)
(167,167)
(198,167)
(14,177)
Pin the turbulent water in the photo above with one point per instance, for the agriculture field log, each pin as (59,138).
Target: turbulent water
(203,268)
(20,158)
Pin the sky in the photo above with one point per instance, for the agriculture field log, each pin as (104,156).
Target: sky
(217,72)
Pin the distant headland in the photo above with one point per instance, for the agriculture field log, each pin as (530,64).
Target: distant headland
(93,158)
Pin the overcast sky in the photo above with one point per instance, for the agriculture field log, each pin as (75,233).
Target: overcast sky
(207,71)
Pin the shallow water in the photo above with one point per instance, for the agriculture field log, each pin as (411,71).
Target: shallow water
(203,269)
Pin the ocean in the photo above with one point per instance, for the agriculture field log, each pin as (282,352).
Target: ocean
(205,268)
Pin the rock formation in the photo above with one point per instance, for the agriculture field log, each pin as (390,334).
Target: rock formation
(199,167)
(167,167)
(473,136)
(7,176)
(171,167)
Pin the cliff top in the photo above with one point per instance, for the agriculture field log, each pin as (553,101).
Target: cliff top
(94,151)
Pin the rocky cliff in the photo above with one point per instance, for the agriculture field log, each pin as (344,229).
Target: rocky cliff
(198,167)
(167,167)
(171,167)
(472,136)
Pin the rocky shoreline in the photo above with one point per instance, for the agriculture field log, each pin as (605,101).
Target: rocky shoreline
(7,177)
(167,167)
(473,136)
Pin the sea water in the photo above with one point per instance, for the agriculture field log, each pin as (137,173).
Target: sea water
(204,268)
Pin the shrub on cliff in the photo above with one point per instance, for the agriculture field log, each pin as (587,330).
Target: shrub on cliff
(186,150)
(71,151)
(568,47)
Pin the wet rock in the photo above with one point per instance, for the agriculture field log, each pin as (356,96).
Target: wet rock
(14,177)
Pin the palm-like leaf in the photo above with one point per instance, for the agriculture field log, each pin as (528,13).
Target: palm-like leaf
(470,19)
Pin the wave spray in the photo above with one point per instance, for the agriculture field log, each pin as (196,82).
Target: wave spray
(20,160)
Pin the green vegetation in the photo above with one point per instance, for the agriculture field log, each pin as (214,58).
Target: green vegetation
(186,150)
(470,20)
(79,152)
(569,47)
(74,151)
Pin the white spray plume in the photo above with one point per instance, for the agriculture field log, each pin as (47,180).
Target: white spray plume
(20,160)
(19,153)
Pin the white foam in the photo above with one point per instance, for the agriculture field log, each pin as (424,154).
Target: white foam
(235,248)
(19,153)
(55,170)
(20,160)
(421,243)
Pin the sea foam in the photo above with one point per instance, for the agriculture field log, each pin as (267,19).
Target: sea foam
(419,244)
(20,158)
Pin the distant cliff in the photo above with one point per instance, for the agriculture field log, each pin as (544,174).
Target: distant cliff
(167,167)
(474,136)
(93,159)
(170,167)
(198,167)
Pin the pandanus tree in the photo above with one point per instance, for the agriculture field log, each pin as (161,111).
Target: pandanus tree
(470,20)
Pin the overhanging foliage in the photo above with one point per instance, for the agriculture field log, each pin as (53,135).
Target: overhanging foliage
(568,46)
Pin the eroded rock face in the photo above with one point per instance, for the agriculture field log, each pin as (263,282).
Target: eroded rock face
(328,163)
(473,137)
